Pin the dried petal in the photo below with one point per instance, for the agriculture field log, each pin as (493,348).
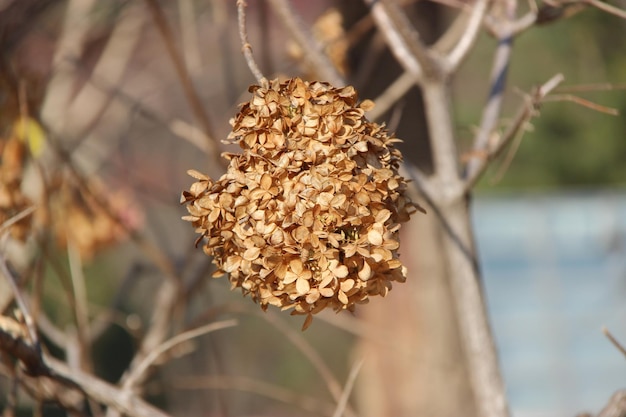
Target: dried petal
(302,286)
(375,237)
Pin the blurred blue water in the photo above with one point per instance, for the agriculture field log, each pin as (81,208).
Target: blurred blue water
(555,273)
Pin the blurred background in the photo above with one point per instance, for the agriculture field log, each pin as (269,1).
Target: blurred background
(550,217)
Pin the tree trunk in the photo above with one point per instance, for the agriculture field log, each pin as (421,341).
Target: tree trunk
(416,366)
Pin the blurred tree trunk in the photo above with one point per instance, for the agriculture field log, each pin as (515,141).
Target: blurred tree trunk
(420,368)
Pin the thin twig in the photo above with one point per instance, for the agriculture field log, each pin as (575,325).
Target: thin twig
(163,307)
(88,104)
(189,35)
(524,114)
(103,392)
(314,405)
(613,340)
(77,22)
(440,128)
(156,353)
(583,102)
(295,337)
(397,44)
(608,8)
(347,389)
(17,218)
(28,319)
(447,41)
(150,250)
(315,55)
(468,39)
(246,48)
(191,94)
(314,358)
(616,406)
(579,88)
(423,184)
(82,345)
(507,160)
(491,111)
(164,304)
(184,130)
(391,95)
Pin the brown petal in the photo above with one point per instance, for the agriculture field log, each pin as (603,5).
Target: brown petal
(302,286)
(366,272)
(375,237)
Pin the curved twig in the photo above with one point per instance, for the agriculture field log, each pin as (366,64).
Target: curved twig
(263,388)
(347,389)
(28,319)
(103,392)
(391,95)
(468,39)
(246,48)
(608,8)
(315,54)
(491,111)
(524,114)
(156,353)
(17,218)
(614,341)
(191,94)
(396,42)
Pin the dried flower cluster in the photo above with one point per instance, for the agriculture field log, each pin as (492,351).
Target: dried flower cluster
(69,213)
(93,226)
(307,217)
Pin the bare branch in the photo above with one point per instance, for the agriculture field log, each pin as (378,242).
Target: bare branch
(186,83)
(423,185)
(81,311)
(578,88)
(499,71)
(391,95)
(397,42)
(491,111)
(583,102)
(314,405)
(468,39)
(107,394)
(164,304)
(28,319)
(245,45)
(524,114)
(613,340)
(76,25)
(347,389)
(156,353)
(150,250)
(314,52)
(439,118)
(451,37)
(13,341)
(313,357)
(608,8)
(616,406)
(500,29)
(89,104)
(17,218)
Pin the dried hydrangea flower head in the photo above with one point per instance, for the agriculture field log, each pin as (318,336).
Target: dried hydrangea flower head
(307,216)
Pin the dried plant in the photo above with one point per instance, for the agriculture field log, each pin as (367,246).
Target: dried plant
(307,216)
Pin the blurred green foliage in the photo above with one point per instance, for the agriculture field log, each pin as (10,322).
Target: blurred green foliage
(568,144)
